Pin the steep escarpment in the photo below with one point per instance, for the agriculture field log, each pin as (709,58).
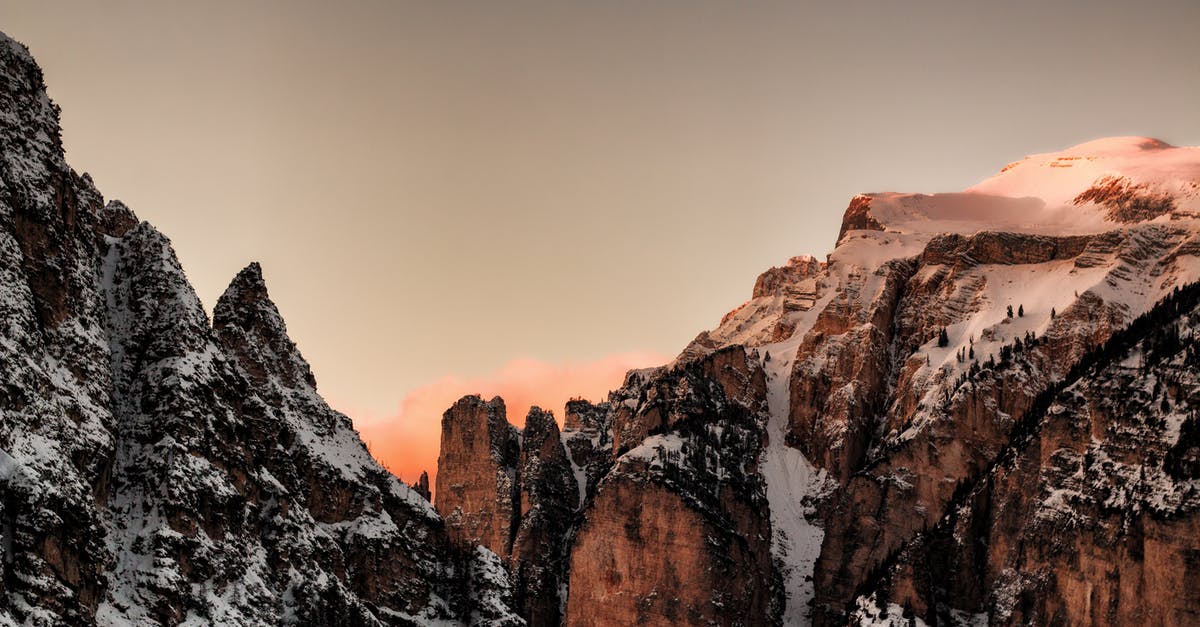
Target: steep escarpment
(477,489)
(677,532)
(921,295)
(550,497)
(940,424)
(644,509)
(57,452)
(1090,513)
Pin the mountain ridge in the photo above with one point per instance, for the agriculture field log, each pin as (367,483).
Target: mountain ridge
(813,459)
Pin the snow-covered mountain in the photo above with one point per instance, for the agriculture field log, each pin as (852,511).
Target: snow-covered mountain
(156,468)
(980,408)
(908,356)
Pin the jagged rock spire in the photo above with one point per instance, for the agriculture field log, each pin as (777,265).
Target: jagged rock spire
(115,218)
(477,482)
(549,498)
(422,486)
(249,326)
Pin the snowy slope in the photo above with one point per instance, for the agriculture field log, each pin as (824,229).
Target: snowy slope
(159,468)
(794,487)
(1077,243)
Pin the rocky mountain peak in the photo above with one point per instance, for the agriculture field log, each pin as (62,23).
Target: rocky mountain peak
(547,478)
(477,490)
(154,468)
(540,430)
(857,217)
(250,327)
(115,219)
(30,129)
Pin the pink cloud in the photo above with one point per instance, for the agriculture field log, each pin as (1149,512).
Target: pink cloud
(407,442)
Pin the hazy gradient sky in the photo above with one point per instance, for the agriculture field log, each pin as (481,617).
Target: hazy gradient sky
(436,189)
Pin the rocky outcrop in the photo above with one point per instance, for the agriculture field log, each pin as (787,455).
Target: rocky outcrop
(843,369)
(56,448)
(422,486)
(1126,201)
(549,500)
(697,427)
(393,545)
(587,436)
(477,482)
(655,401)
(253,332)
(677,532)
(960,251)
(782,281)
(858,217)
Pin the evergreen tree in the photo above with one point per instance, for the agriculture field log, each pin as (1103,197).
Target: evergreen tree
(1053,314)
(943,339)
(1010,311)
(1020,311)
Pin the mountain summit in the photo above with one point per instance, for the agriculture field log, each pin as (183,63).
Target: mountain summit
(980,408)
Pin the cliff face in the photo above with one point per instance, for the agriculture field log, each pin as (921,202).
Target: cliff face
(677,532)
(932,334)
(550,496)
(628,503)
(477,491)
(1089,513)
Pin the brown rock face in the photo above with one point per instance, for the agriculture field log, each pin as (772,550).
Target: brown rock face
(1125,200)
(964,251)
(858,217)
(842,371)
(783,281)
(677,532)
(477,489)
(900,435)
(643,557)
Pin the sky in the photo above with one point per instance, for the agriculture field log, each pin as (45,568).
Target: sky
(527,198)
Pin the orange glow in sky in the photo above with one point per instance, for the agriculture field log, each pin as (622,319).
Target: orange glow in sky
(407,441)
